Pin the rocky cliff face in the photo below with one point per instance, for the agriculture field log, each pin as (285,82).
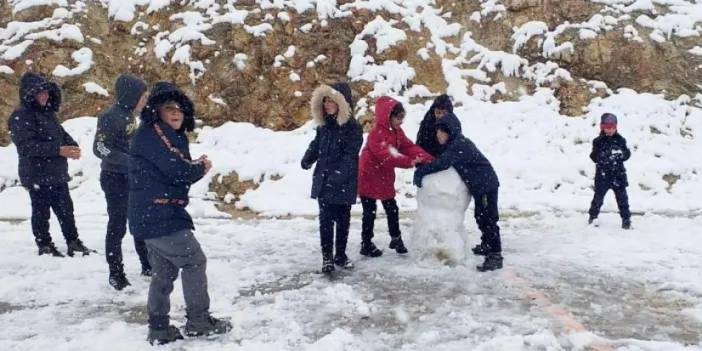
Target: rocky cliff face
(257,61)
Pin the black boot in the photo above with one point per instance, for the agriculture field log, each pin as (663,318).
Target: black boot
(206,326)
(480,250)
(492,262)
(327,263)
(342,260)
(77,246)
(626,223)
(118,281)
(397,244)
(591,219)
(164,336)
(50,249)
(369,249)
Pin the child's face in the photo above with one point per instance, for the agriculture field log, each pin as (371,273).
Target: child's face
(42,98)
(330,107)
(442,136)
(438,113)
(172,116)
(396,121)
(609,129)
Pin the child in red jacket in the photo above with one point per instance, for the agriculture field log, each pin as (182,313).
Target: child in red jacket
(387,147)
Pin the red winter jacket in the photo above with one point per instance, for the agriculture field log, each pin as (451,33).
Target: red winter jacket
(385,149)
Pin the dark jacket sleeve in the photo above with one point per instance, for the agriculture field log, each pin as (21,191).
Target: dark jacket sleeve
(353,145)
(176,170)
(626,153)
(26,138)
(442,163)
(312,152)
(594,154)
(108,132)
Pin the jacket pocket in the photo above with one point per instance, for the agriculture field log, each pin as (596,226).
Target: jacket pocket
(338,176)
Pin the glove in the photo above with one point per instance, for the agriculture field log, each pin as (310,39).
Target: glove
(306,165)
(617,155)
(417,180)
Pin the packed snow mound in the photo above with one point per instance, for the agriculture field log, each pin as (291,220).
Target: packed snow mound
(439,234)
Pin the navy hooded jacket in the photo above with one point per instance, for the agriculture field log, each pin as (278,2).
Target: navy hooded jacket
(115,125)
(335,147)
(426,137)
(461,154)
(609,154)
(38,135)
(160,177)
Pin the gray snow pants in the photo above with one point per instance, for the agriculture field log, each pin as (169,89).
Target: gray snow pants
(168,255)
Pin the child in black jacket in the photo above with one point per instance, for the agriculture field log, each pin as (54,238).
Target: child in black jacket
(609,152)
(481,180)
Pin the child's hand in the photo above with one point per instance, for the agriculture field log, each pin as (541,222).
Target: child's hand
(417,180)
(417,161)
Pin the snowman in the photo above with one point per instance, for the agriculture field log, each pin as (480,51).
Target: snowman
(439,231)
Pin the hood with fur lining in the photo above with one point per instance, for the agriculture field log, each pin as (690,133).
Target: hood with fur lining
(339,93)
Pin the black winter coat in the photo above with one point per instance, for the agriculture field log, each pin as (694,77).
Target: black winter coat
(426,137)
(461,154)
(609,154)
(115,125)
(335,149)
(38,135)
(160,176)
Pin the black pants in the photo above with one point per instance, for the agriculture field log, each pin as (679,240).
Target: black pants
(369,212)
(329,214)
(619,193)
(57,198)
(116,188)
(486,216)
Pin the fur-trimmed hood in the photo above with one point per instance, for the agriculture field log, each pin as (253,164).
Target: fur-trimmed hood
(163,92)
(339,93)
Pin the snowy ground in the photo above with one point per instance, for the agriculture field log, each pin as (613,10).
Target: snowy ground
(566,286)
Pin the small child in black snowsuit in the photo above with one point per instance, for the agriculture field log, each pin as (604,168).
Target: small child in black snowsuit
(609,152)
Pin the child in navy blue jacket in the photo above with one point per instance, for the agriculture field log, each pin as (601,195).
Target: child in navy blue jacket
(609,152)
(481,179)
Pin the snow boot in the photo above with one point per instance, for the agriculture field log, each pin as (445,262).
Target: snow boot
(398,245)
(342,260)
(206,326)
(591,219)
(492,262)
(369,249)
(118,281)
(626,223)
(164,336)
(480,250)
(77,246)
(327,263)
(50,249)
